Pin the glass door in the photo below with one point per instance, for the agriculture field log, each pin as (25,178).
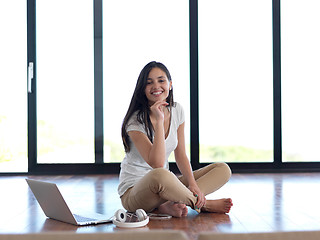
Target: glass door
(235,81)
(300,51)
(153,31)
(13,97)
(65,81)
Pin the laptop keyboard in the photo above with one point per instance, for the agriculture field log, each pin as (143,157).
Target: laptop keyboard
(83,219)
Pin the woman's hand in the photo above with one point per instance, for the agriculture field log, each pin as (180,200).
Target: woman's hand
(197,193)
(157,109)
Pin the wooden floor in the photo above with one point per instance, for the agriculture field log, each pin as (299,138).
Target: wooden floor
(262,203)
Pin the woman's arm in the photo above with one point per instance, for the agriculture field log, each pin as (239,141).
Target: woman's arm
(152,153)
(181,157)
(185,167)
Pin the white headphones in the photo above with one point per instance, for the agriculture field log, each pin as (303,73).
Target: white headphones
(130,220)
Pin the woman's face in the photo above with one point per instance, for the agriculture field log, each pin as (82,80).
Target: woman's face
(158,86)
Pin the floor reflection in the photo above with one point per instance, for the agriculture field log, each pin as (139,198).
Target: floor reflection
(277,203)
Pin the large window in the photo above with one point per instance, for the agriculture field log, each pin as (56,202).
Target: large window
(65,94)
(300,80)
(154,31)
(245,72)
(235,81)
(13,85)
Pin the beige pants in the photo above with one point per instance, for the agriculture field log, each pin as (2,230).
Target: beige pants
(161,185)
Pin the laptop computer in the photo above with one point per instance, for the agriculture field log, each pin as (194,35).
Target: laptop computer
(54,206)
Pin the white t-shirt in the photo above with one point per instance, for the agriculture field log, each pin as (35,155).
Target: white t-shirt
(133,166)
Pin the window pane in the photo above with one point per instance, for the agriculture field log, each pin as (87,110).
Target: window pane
(235,81)
(13,85)
(65,81)
(154,31)
(300,51)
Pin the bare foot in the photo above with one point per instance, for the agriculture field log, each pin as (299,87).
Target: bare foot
(222,205)
(173,209)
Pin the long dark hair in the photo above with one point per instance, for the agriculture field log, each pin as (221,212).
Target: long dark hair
(139,102)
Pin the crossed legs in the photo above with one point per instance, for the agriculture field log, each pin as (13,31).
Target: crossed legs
(161,189)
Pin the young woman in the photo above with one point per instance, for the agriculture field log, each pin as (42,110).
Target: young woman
(153,128)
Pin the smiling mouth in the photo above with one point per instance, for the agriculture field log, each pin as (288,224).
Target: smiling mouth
(157,93)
